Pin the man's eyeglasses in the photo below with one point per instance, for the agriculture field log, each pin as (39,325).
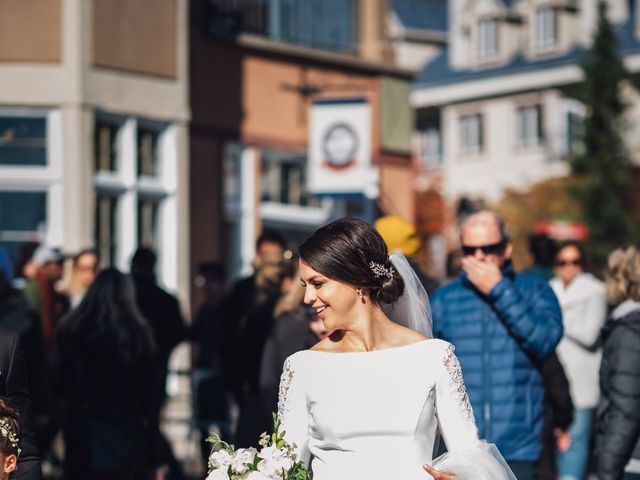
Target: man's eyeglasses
(493,249)
(563,263)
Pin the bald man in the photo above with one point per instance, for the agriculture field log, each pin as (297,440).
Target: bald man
(502,325)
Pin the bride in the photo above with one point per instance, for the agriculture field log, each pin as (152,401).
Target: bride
(370,401)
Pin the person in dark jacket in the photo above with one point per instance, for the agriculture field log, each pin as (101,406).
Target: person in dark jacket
(297,327)
(273,279)
(501,323)
(108,370)
(542,251)
(17,316)
(162,312)
(558,407)
(618,413)
(210,399)
(557,417)
(236,306)
(13,385)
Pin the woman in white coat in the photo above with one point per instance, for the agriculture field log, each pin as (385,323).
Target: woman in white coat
(582,299)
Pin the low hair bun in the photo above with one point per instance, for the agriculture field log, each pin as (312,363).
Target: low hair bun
(391,289)
(353,252)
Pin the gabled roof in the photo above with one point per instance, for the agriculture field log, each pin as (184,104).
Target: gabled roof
(439,71)
(422,14)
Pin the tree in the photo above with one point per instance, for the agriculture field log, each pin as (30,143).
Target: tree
(603,170)
(544,201)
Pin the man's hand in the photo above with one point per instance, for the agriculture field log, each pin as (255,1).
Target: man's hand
(563,440)
(437,474)
(484,275)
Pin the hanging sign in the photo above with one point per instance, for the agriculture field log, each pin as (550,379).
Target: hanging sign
(340,147)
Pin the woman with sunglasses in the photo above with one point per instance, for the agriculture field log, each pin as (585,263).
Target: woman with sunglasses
(582,300)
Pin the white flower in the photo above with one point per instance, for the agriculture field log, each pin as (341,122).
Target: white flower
(218,474)
(274,462)
(242,458)
(220,459)
(264,439)
(256,476)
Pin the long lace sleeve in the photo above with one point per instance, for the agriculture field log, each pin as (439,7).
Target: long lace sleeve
(292,409)
(468,458)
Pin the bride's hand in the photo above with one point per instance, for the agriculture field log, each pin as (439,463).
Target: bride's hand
(437,474)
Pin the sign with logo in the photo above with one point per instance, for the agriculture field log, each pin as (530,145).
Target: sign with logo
(340,147)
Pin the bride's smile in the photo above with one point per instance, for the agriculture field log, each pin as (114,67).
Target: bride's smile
(334,302)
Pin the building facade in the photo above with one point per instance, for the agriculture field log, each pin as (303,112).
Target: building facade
(93,129)
(498,108)
(264,76)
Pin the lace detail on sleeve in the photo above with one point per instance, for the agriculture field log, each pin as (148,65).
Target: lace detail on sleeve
(456,383)
(285,384)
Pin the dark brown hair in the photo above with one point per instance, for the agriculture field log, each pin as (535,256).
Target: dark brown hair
(578,246)
(344,250)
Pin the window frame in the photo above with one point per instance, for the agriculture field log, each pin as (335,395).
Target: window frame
(130,186)
(546,29)
(427,137)
(488,40)
(527,116)
(47,178)
(466,132)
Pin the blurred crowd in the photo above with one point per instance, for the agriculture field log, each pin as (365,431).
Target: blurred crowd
(95,348)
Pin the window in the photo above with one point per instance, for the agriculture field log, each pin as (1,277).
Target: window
(529,126)
(324,24)
(471,134)
(23,140)
(22,218)
(487,39)
(546,29)
(148,223)
(284,180)
(105,229)
(131,192)
(573,136)
(430,147)
(106,146)
(148,151)
(31,170)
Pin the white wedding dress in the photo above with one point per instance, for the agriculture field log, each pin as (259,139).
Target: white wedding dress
(376,415)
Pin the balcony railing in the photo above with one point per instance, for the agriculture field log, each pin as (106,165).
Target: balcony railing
(323,24)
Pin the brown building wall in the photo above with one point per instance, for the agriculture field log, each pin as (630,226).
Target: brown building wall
(30,30)
(136,35)
(250,92)
(396,189)
(275,111)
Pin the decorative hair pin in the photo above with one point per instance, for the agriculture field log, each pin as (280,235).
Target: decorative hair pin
(6,430)
(380,270)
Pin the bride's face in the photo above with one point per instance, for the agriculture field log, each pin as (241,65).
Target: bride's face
(333,301)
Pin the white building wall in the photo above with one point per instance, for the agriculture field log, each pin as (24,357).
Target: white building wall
(502,163)
(69,93)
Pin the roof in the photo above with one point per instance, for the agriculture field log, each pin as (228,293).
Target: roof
(422,14)
(439,71)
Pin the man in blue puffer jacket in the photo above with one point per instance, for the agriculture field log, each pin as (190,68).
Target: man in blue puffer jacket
(502,325)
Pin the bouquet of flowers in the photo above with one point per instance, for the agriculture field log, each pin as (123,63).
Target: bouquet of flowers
(276,460)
